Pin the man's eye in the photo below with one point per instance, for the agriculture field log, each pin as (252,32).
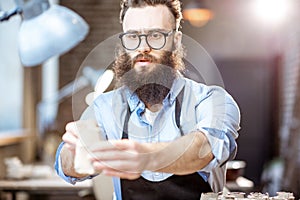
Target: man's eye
(132,36)
(155,35)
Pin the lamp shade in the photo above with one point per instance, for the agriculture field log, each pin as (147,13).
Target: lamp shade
(53,32)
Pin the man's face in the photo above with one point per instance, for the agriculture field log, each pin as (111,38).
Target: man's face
(149,72)
(142,21)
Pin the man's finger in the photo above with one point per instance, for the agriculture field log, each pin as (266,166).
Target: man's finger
(71,127)
(122,175)
(69,138)
(113,155)
(118,165)
(110,145)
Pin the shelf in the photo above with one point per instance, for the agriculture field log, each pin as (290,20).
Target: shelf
(13,137)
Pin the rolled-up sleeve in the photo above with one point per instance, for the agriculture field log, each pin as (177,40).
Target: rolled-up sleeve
(218,117)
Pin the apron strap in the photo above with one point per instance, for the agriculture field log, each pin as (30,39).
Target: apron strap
(125,126)
(179,100)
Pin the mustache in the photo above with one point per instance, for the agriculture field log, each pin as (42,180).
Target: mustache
(144,56)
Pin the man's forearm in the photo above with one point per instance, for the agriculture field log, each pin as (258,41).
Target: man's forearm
(185,155)
(67,163)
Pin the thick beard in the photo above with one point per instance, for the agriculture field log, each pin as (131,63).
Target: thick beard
(150,86)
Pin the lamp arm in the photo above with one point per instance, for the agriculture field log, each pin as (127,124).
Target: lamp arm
(6,15)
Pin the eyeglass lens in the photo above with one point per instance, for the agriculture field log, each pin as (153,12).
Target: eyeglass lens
(155,40)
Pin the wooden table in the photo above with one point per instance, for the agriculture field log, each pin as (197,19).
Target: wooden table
(44,187)
(12,137)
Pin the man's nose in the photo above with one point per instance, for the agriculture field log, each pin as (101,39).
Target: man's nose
(144,47)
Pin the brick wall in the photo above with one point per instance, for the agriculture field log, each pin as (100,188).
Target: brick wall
(290,108)
(103,19)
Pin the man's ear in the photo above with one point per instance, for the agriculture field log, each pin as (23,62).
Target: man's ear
(178,39)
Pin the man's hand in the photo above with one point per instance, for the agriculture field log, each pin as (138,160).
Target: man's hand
(74,142)
(128,159)
(70,137)
(122,158)
(67,153)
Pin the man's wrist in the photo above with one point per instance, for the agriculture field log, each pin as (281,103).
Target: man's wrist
(154,155)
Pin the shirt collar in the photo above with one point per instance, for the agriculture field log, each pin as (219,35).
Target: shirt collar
(177,86)
(131,97)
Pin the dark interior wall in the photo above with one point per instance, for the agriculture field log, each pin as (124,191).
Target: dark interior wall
(253,84)
(103,19)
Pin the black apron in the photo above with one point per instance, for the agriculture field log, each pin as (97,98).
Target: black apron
(179,187)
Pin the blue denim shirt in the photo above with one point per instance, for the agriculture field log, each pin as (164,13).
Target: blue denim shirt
(209,109)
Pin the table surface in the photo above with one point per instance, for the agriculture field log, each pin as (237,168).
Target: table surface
(51,183)
(12,137)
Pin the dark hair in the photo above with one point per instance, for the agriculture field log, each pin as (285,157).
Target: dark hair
(173,5)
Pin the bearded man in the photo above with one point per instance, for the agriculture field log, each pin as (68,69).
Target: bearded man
(168,137)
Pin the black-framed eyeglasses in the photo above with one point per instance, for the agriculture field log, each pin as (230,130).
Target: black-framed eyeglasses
(155,39)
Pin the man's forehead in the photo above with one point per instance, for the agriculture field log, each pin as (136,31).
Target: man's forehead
(148,17)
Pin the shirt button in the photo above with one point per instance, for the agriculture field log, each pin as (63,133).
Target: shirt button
(157,174)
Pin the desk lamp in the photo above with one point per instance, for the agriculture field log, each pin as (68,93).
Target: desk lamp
(46,30)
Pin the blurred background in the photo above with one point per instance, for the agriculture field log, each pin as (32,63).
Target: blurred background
(254,43)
